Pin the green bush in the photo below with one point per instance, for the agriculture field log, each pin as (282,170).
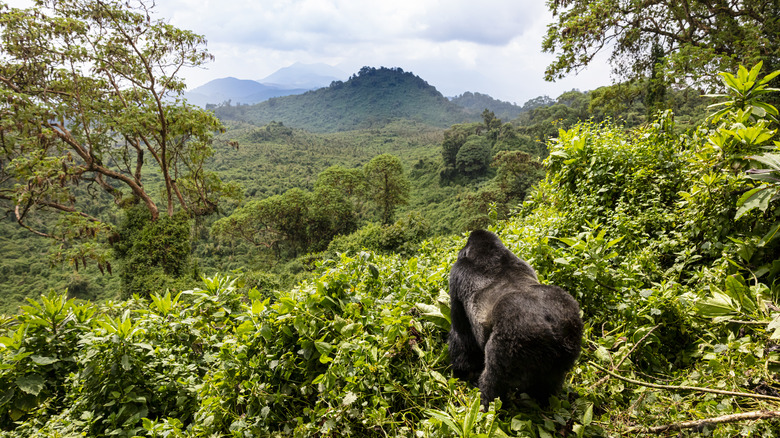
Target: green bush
(154,255)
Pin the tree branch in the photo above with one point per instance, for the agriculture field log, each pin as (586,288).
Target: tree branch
(20,221)
(605,378)
(696,424)
(686,388)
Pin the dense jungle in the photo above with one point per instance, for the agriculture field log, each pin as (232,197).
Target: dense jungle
(282,268)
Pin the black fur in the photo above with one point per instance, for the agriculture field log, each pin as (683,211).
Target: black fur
(507,329)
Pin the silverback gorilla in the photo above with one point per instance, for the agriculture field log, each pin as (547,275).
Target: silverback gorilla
(508,329)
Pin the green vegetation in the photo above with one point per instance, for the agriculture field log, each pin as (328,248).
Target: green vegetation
(629,103)
(690,40)
(369,99)
(270,160)
(478,102)
(88,113)
(333,318)
(666,240)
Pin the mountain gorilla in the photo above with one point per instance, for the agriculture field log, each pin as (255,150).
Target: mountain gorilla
(507,328)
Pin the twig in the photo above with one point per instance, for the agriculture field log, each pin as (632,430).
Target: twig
(605,378)
(734,321)
(695,424)
(687,388)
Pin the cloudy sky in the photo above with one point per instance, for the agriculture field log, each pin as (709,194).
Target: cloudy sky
(486,46)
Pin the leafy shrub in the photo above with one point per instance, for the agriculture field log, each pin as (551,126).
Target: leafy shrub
(154,255)
(474,156)
(401,237)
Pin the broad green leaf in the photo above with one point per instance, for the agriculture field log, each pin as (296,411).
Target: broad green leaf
(543,433)
(6,396)
(434,314)
(569,241)
(471,416)
(373,270)
(245,327)
(444,418)
(740,293)
(587,417)
(323,348)
(767,108)
(758,197)
(42,360)
(428,309)
(770,235)
(614,242)
(258,306)
(718,304)
(774,328)
(770,160)
(31,383)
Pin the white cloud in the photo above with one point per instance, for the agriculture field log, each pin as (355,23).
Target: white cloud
(488,46)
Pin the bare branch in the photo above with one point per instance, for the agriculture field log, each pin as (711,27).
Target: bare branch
(20,221)
(687,388)
(697,424)
(605,378)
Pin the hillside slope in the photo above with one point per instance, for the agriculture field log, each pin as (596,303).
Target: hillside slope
(478,102)
(371,98)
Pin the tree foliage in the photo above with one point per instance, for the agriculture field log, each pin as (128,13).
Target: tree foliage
(88,105)
(387,185)
(473,156)
(300,221)
(468,148)
(696,37)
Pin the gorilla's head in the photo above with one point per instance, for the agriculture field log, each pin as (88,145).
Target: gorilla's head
(484,250)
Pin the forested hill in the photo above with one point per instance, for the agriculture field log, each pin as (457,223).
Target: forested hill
(371,98)
(478,102)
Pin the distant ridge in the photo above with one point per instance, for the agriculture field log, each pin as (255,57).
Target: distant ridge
(307,76)
(295,79)
(372,97)
(235,91)
(477,102)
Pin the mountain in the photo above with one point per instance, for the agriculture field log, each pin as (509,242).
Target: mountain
(295,79)
(237,91)
(308,76)
(476,102)
(371,98)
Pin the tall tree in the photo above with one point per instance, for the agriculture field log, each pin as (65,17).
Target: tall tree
(698,37)
(474,156)
(387,184)
(89,97)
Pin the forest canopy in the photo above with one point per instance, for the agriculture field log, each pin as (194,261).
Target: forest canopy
(90,120)
(685,41)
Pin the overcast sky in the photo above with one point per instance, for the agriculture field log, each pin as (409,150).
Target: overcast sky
(486,46)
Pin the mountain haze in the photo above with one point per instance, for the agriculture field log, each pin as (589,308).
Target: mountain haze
(236,91)
(295,79)
(371,98)
(308,76)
